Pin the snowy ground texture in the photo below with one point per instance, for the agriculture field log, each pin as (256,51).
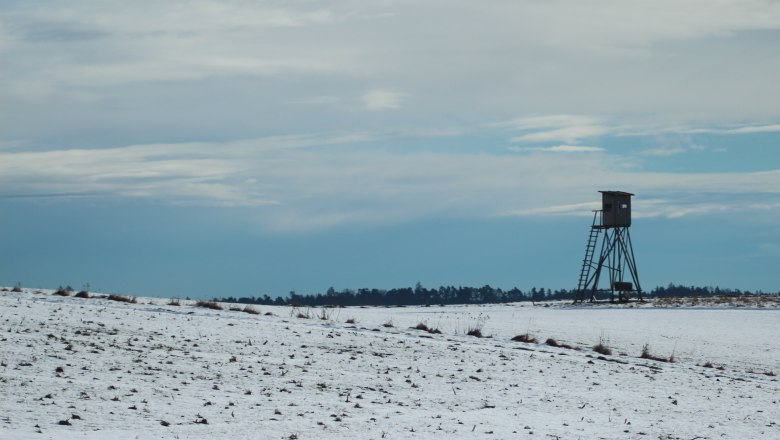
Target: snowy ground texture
(77,368)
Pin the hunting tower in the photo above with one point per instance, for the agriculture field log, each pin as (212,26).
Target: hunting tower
(617,252)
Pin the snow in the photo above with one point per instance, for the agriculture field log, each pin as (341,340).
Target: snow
(119,370)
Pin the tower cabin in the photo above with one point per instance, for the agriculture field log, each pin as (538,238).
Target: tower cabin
(615,209)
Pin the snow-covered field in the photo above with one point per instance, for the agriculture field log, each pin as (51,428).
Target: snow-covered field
(73,368)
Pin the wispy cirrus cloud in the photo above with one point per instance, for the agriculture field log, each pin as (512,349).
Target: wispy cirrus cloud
(382,99)
(559,149)
(551,128)
(297,183)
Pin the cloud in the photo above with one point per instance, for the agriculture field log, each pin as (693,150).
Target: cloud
(298,183)
(380,99)
(664,151)
(566,128)
(754,129)
(559,149)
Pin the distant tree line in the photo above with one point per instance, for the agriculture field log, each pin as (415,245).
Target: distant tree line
(420,295)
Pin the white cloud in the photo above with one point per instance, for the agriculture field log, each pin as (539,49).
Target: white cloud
(664,151)
(559,149)
(754,129)
(294,183)
(381,99)
(566,128)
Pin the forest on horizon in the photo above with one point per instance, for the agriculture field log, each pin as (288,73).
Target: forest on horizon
(447,295)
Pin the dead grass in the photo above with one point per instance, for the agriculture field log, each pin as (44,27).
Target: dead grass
(647,355)
(251,310)
(424,327)
(526,337)
(176,302)
(82,294)
(213,305)
(553,343)
(122,298)
(351,321)
(600,348)
(302,314)
(474,331)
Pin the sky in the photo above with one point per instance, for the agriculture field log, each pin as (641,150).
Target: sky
(210,148)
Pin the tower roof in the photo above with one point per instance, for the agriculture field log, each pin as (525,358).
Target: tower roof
(616,193)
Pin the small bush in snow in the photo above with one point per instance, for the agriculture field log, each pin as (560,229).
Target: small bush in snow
(647,355)
(526,337)
(474,331)
(421,326)
(122,298)
(251,310)
(174,302)
(302,314)
(208,305)
(600,348)
(553,343)
(351,321)
(82,294)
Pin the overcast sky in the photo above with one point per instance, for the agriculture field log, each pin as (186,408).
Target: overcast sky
(207,148)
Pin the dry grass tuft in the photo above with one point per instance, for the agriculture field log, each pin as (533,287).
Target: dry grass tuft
(251,310)
(174,302)
(647,355)
(600,348)
(208,305)
(122,298)
(474,331)
(82,294)
(526,337)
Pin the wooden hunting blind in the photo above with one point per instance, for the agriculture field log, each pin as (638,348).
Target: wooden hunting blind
(617,252)
(616,208)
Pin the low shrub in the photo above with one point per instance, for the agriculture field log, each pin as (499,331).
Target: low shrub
(553,343)
(174,302)
(213,305)
(62,292)
(421,326)
(325,314)
(388,324)
(82,294)
(600,348)
(647,355)
(526,337)
(122,298)
(474,331)
(351,321)
(251,310)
